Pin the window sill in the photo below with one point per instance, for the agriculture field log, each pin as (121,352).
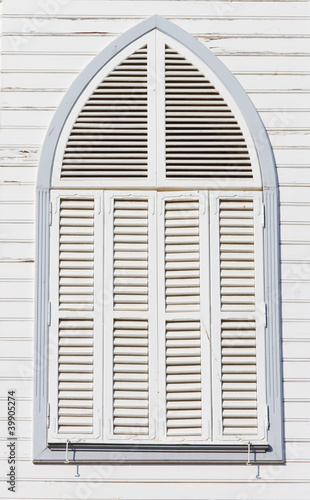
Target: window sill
(157,454)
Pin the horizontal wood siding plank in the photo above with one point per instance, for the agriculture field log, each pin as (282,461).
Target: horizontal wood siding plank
(17,309)
(282,101)
(294,290)
(246,26)
(22,118)
(16,231)
(16,289)
(16,329)
(92,44)
(296,350)
(295,233)
(190,9)
(17,269)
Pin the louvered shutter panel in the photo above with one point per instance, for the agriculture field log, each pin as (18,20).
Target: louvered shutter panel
(183,335)
(109,138)
(203,137)
(75,408)
(237,316)
(130,317)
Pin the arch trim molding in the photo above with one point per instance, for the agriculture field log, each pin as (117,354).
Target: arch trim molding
(254,123)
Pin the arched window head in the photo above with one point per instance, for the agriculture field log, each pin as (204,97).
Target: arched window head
(156,115)
(158,264)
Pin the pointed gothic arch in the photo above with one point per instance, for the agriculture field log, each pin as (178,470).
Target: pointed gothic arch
(261,150)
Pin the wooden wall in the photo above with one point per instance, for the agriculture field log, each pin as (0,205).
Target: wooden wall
(45,45)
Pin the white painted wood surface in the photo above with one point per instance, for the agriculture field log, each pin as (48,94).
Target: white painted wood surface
(45,44)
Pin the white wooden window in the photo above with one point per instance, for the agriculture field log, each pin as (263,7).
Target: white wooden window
(157,330)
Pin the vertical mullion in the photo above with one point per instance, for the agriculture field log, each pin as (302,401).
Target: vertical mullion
(152,119)
(152,316)
(98,313)
(160,110)
(161,412)
(205,319)
(215,317)
(107,297)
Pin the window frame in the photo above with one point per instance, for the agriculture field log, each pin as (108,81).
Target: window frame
(134,453)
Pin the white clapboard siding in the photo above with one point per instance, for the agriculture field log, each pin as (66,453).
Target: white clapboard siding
(185,373)
(110,135)
(130,315)
(72,391)
(269,35)
(203,137)
(237,313)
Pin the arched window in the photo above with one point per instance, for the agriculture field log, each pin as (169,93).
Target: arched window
(157,282)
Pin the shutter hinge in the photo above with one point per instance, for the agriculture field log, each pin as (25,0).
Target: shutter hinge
(152,209)
(49,314)
(214,206)
(263,215)
(48,416)
(51,214)
(267,418)
(98,204)
(203,199)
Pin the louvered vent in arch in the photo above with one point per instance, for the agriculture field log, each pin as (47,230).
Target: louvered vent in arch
(76,335)
(238,333)
(110,136)
(203,137)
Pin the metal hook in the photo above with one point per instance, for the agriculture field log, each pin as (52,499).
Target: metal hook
(249,451)
(67,449)
(77,471)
